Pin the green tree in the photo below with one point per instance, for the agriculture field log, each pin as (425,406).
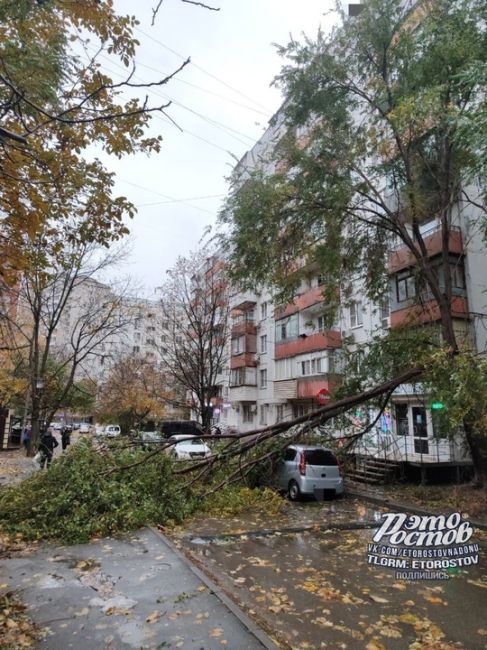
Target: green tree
(55,104)
(376,140)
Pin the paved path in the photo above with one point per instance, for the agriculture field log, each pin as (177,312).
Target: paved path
(137,592)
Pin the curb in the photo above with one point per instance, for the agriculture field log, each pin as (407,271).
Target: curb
(284,531)
(246,621)
(403,507)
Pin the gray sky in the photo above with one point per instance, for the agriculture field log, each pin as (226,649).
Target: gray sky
(235,46)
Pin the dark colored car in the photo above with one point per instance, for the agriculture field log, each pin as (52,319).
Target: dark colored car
(170,428)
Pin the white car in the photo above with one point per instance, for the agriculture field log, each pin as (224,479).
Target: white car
(188,447)
(84,427)
(110,431)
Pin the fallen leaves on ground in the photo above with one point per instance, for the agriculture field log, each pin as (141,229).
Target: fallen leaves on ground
(16,629)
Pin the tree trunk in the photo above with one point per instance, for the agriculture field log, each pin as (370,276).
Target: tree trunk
(35,425)
(478,449)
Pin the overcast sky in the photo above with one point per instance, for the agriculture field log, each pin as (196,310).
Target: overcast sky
(233,46)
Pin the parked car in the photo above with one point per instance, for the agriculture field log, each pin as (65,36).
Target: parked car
(109,431)
(150,439)
(176,427)
(84,427)
(188,447)
(306,469)
(57,426)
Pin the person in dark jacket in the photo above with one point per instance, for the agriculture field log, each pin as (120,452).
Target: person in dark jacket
(46,447)
(65,437)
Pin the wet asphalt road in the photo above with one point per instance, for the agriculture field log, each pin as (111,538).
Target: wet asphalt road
(315,589)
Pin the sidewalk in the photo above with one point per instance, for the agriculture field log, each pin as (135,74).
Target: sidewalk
(137,592)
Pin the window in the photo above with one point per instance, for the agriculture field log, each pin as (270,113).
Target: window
(402,424)
(287,328)
(237,377)
(405,286)
(419,422)
(458,276)
(263,378)
(280,412)
(299,410)
(322,323)
(264,409)
(356,314)
(248,412)
(263,344)
(306,367)
(151,328)
(179,339)
(384,311)
(238,345)
(263,310)
(150,342)
(290,454)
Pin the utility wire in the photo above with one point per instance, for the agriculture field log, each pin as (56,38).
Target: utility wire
(170,199)
(219,125)
(209,74)
(209,92)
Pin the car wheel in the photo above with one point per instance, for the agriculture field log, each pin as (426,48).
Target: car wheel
(293,491)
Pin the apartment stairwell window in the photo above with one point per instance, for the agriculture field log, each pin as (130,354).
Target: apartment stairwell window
(356,314)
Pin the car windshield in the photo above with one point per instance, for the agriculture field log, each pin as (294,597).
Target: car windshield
(196,441)
(320,457)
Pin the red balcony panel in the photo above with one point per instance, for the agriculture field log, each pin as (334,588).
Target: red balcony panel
(245,360)
(313,343)
(402,258)
(306,299)
(428,312)
(310,386)
(243,327)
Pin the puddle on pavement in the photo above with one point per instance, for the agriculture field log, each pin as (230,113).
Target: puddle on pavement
(317,585)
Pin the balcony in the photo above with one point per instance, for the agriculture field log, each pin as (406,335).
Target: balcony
(286,389)
(309,387)
(243,393)
(243,360)
(428,312)
(402,257)
(320,341)
(244,301)
(243,326)
(304,301)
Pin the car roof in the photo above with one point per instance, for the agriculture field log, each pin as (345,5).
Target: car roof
(304,447)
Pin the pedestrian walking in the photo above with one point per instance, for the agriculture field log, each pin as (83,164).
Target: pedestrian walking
(26,438)
(65,437)
(46,447)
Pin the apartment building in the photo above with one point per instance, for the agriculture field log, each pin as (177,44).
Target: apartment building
(287,359)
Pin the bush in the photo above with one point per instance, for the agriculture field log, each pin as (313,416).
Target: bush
(76,500)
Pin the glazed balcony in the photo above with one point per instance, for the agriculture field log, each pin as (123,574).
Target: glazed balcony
(328,340)
(428,312)
(243,378)
(401,257)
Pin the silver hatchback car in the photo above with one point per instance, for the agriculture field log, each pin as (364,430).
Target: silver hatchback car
(308,470)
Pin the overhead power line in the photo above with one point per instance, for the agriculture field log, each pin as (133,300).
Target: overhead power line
(209,74)
(170,199)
